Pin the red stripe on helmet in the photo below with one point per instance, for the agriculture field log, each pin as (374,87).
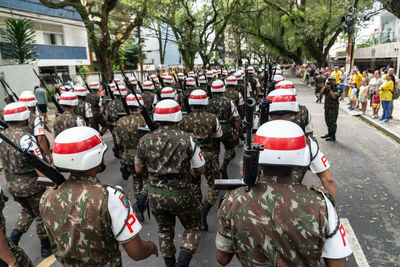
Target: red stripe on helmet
(280,143)
(198,96)
(68,98)
(231,80)
(167,91)
(76,147)
(167,110)
(15,110)
(282,98)
(285,86)
(218,86)
(133,98)
(26,99)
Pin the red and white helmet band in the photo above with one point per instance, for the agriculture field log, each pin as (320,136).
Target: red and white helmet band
(198,97)
(16,111)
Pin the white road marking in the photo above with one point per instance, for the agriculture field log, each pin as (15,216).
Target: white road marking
(355,246)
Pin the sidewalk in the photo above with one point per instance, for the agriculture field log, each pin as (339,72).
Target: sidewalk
(392,128)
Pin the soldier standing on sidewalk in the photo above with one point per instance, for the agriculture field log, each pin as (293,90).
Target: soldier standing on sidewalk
(331,107)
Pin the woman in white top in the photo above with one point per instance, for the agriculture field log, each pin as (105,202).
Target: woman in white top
(374,84)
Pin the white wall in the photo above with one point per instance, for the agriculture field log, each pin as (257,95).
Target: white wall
(19,78)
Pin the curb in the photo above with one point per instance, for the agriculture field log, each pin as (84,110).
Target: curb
(383,129)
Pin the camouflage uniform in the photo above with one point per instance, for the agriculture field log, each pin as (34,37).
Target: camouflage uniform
(251,224)
(66,120)
(148,98)
(19,253)
(166,155)
(127,135)
(331,107)
(302,117)
(202,125)
(80,230)
(113,108)
(93,99)
(319,84)
(22,183)
(221,106)
(254,83)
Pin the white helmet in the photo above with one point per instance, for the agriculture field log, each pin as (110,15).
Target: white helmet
(78,149)
(231,80)
(284,144)
(278,78)
(80,90)
(210,74)
(238,75)
(287,85)
(218,86)
(198,97)
(216,72)
(191,74)
(133,80)
(122,89)
(112,86)
(69,99)
(94,86)
(28,98)
(278,72)
(167,110)
(202,80)
(132,101)
(283,101)
(251,70)
(181,76)
(62,89)
(153,77)
(116,80)
(225,73)
(148,85)
(191,81)
(168,93)
(169,79)
(16,111)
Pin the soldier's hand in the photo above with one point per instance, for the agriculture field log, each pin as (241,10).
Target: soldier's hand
(49,159)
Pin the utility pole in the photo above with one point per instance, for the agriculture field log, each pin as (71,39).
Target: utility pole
(140,54)
(349,29)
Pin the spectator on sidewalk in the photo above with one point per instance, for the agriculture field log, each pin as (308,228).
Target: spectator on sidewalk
(374,85)
(342,83)
(357,77)
(396,84)
(336,73)
(353,95)
(41,97)
(363,95)
(376,104)
(386,92)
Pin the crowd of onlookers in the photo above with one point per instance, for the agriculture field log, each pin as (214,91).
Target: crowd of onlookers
(377,88)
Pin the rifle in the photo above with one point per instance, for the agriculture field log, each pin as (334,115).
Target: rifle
(12,98)
(160,78)
(105,86)
(265,101)
(143,110)
(51,172)
(53,99)
(138,82)
(250,155)
(208,89)
(124,104)
(84,81)
(155,88)
(186,98)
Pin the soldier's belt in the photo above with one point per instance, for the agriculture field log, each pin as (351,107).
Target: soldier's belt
(131,151)
(168,192)
(11,177)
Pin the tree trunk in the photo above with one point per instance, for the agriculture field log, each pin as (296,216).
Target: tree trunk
(105,64)
(392,6)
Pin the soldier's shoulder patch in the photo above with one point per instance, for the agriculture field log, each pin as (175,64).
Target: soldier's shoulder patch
(320,189)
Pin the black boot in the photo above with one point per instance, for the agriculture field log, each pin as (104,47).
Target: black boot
(170,261)
(332,137)
(224,168)
(45,248)
(16,236)
(184,258)
(206,208)
(327,135)
(140,207)
(116,149)
(124,171)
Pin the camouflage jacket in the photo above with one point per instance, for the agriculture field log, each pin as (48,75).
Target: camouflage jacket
(221,106)
(66,120)
(113,108)
(329,101)
(202,125)
(93,99)
(166,154)
(78,223)
(81,109)
(148,98)
(14,164)
(233,95)
(254,83)
(275,224)
(128,136)
(32,124)
(302,118)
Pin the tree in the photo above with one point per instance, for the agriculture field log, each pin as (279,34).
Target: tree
(109,24)
(19,38)
(392,6)
(131,55)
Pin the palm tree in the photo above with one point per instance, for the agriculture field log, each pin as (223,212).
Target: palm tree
(19,40)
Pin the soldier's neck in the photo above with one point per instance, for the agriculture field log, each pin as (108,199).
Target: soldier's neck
(18,124)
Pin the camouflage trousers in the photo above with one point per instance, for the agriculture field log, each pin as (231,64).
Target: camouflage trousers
(19,254)
(229,145)
(30,212)
(99,120)
(331,115)
(212,173)
(139,184)
(188,209)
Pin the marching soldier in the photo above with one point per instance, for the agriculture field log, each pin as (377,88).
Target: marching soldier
(35,124)
(127,135)
(254,82)
(203,83)
(190,85)
(149,97)
(134,83)
(87,220)
(204,126)
(233,94)
(227,113)
(96,103)
(21,179)
(84,109)
(172,160)
(210,76)
(68,118)
(168,93)
(260,240)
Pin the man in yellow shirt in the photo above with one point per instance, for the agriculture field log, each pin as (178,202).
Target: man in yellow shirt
(357,78)
(337,74)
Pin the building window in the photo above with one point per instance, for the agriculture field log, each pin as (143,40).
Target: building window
(53,39)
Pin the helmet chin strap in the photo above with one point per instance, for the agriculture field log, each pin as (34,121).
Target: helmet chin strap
(102,167)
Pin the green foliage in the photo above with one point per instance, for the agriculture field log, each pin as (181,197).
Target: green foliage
(119,60)
(132,57)
(84,71)
(19,38)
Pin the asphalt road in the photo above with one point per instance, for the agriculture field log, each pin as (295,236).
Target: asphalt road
(363,162)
